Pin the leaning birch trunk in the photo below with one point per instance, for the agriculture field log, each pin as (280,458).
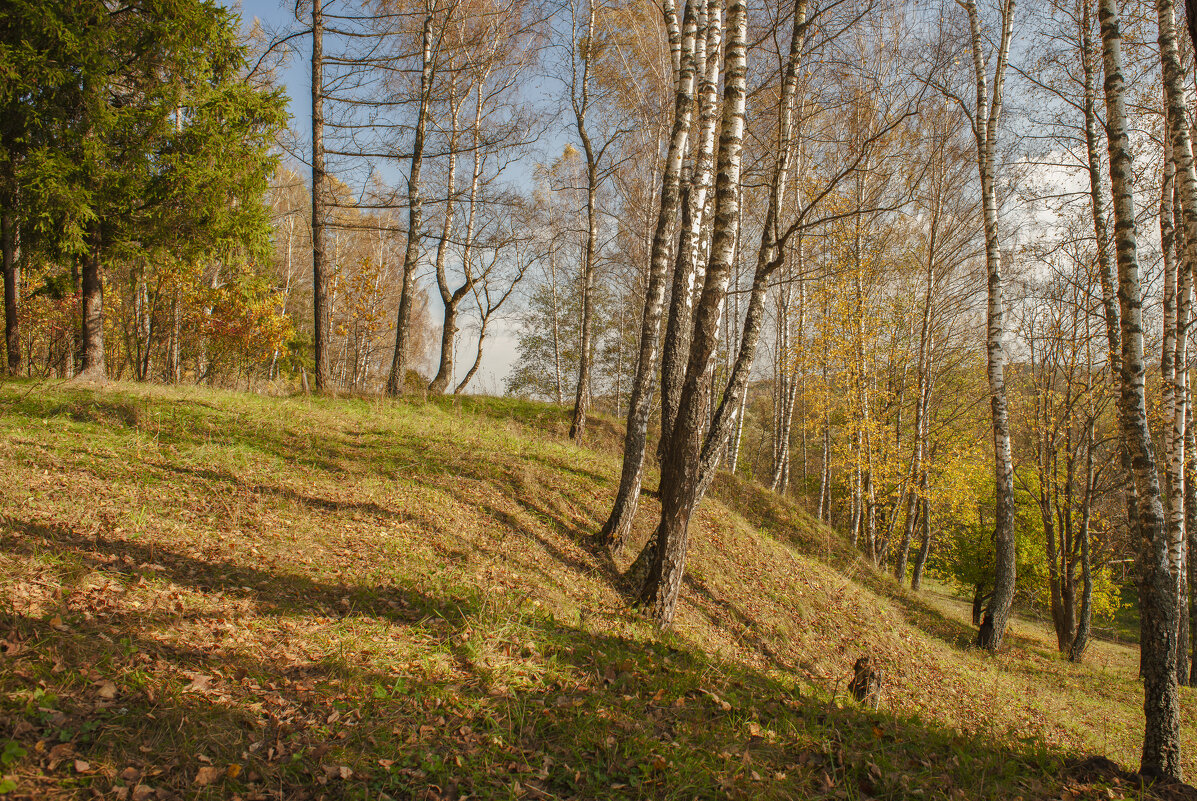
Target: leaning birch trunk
(415,208)
(1161,738)
(452,300)
(986,119)
(678,327)
(692,458)
(619,523)
(786,383)
(681,474)
(733,458)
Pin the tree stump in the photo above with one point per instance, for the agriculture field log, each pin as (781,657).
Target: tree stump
(866,683)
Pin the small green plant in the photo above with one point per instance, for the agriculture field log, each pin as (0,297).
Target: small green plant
(11,753)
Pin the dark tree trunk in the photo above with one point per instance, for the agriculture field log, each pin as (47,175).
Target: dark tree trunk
(320,320)
(920,559)
(1080,639)
(92,338)
(12,291)
(979,596)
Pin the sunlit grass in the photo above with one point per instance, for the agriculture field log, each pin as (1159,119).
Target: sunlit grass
(362,598)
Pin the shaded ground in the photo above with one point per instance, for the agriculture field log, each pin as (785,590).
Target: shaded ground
(212,594)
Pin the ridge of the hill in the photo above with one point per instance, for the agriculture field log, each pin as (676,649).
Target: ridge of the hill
(213,594)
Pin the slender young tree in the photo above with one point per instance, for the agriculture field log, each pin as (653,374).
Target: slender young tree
(401,360)
(985,118)
(582,104)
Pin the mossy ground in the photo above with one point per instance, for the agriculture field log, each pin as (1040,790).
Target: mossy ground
(213,595)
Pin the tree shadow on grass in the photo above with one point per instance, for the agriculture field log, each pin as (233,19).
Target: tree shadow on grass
(564,711)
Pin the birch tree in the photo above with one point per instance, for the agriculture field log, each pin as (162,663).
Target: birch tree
(1158,628)
(1177,287)
(984,117)
(622,515)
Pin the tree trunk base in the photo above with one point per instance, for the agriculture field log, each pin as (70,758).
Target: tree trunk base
(94,377)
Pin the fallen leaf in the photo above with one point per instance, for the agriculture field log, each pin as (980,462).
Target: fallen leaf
(208,775)
(106,689)
(81,766)
(141,792)
(199,683)
(232,771)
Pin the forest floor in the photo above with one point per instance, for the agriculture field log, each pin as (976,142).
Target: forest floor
(209,594)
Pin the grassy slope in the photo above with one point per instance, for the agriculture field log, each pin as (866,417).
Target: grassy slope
(208,594)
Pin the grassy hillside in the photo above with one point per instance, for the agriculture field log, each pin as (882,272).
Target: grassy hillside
(216,595)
